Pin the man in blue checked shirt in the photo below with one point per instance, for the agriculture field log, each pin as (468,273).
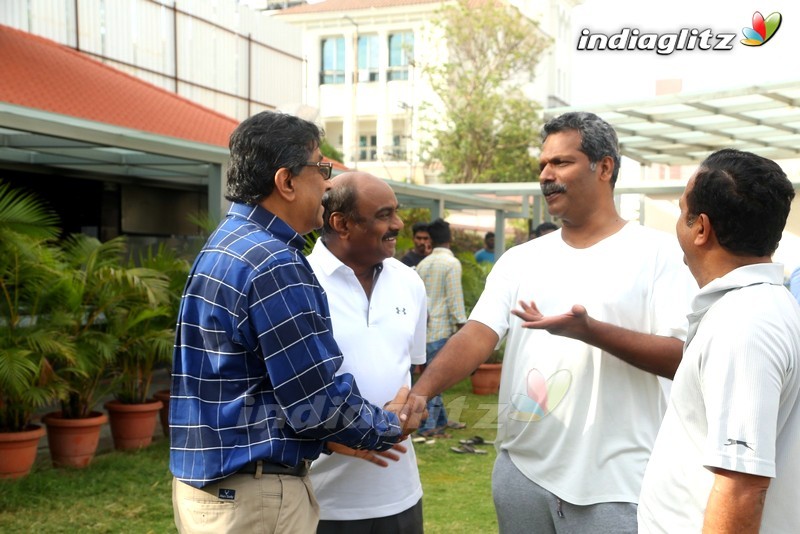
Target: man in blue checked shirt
(255,394)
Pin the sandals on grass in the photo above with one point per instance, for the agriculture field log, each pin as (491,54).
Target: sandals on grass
(466,448)
(475,440)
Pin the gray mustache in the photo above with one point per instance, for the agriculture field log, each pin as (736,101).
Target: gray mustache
(552,187)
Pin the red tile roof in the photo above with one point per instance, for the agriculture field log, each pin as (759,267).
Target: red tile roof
(41,74)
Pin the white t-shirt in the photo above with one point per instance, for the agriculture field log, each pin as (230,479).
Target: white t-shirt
(380,339)
(735,405)
(574,419)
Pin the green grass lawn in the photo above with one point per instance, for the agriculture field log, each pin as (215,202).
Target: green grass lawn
(131,492)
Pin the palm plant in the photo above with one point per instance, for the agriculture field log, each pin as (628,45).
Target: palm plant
(30,340)
(92,290)
(145,327)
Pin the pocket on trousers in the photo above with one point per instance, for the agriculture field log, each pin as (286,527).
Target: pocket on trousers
(208,515)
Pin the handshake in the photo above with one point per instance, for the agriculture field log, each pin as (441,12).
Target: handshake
(411,411)
(409,408)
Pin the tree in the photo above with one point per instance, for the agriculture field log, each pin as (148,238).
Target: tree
(487,126)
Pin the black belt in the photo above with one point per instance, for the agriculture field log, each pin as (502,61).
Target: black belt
(270,468)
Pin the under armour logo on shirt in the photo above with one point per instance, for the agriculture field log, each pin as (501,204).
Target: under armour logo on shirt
(400,310)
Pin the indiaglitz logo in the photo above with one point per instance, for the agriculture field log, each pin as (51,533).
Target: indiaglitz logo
(762,30)
(661,43)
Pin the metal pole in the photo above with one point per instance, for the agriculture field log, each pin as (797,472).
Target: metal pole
(353,110)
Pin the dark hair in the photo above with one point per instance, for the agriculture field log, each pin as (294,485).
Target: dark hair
(440,232)
(598,138)
(544,227)
(342,198)
(419,227)
(261,145)
(747,199)
(488,235)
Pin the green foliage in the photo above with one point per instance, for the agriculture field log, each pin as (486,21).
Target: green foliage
(473,278)
(473,282)
(76,320)
(30,342)
(329,152)
(144,325)
(488,125)
(131,491)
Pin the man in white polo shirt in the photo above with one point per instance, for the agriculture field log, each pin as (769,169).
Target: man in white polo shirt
(727,456)
(378,310)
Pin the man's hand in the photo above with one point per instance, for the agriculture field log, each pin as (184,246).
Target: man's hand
(413,413)
(375,457)
(573,324)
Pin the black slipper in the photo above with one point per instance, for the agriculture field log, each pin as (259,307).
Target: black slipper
(466,448)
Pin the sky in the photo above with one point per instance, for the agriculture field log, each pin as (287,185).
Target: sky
(625,75)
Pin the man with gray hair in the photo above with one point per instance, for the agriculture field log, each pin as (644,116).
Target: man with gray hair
(592,314)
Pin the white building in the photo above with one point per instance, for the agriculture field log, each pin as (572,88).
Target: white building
(374,118)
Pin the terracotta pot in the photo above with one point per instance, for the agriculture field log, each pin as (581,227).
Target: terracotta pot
(18,451)
(163,396)
(132,425)
(73,442)
(486,379)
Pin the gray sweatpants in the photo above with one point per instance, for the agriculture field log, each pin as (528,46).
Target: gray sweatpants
(524,507)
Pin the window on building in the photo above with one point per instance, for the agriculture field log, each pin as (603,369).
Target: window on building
(368,58)
(332,60)
(368,147)
(401,52)
(398,147)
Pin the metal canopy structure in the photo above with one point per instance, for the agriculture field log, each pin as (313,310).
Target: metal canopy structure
(677,129)
(36,138)
(685,128)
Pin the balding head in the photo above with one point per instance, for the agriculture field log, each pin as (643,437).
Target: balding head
(360,220)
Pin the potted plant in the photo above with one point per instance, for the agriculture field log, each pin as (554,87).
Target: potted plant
(144,328)
(166,261)
(29,340)
(486,378)
(94,286)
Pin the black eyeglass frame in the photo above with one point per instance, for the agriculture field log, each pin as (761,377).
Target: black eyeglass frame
(325,168)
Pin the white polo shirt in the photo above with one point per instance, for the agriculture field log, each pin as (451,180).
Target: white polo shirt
(574,419)
(735,404)
(380,339)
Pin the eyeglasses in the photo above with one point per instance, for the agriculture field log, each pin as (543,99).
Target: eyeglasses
(325,168)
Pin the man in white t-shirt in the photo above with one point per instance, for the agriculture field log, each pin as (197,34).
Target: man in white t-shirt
(379,312)
(732,428)
(580,400)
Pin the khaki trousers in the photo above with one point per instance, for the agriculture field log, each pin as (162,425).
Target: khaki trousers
(243,503)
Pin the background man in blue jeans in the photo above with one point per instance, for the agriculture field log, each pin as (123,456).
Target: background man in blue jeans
(441,273)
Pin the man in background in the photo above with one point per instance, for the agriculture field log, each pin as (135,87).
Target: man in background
(441,273)
(543,229)
(422,245)
(732,429)
(378,311)
(486,254)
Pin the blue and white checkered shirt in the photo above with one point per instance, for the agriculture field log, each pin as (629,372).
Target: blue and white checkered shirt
(254,371)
